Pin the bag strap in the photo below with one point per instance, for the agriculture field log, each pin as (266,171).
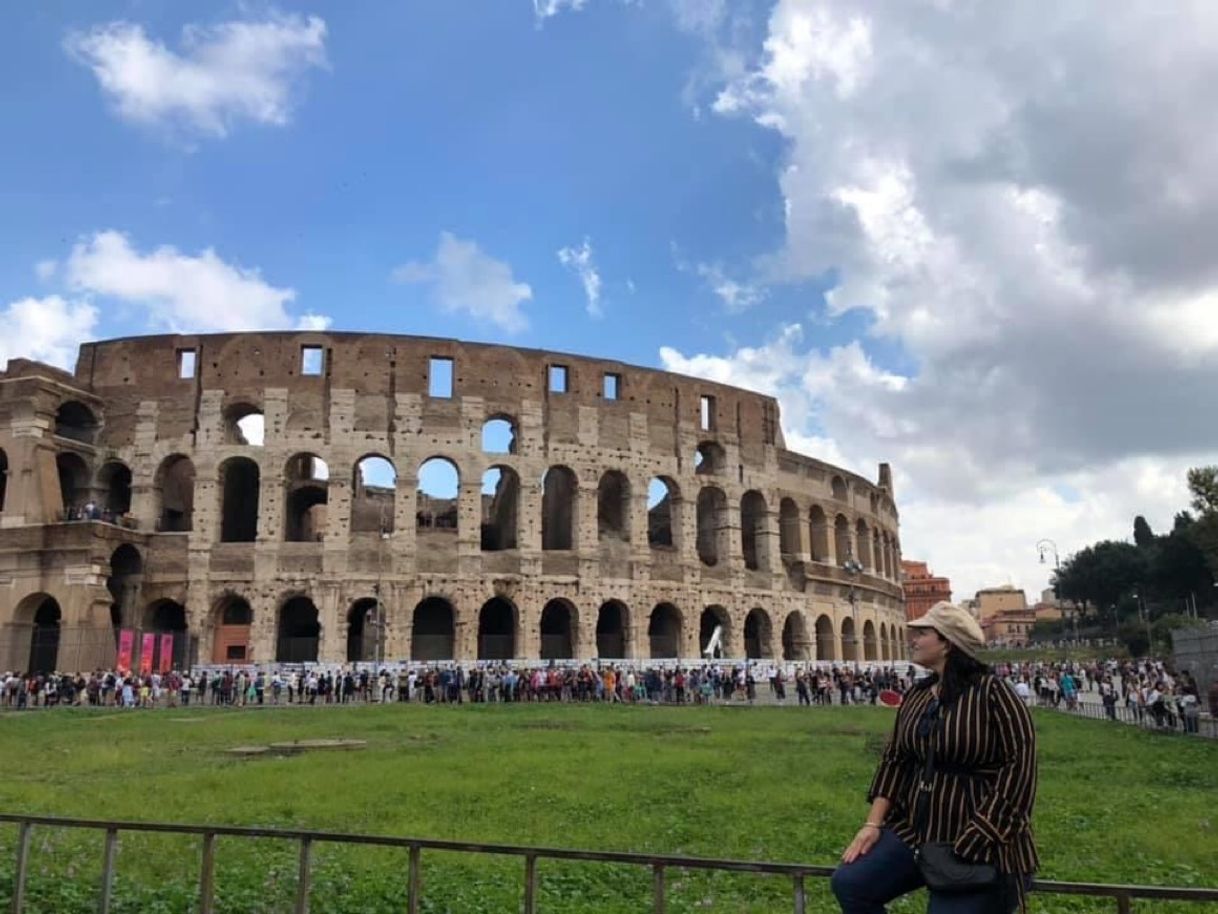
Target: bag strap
(922,803)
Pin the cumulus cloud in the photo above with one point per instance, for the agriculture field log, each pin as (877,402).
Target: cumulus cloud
(463,279)
(181,292)
(546,9)
(46,329)
(1003,192)
(236,71)
(579,260)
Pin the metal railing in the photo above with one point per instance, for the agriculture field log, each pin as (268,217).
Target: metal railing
(1170,721)
(660,864)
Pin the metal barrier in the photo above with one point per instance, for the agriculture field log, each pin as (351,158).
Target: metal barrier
(1172,721)
(659,864)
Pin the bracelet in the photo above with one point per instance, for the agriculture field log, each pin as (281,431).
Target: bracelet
(873,825)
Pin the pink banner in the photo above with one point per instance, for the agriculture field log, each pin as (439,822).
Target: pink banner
(166,663)
(146,650)
(126,647)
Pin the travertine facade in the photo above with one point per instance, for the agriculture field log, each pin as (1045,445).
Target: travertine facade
(631,513)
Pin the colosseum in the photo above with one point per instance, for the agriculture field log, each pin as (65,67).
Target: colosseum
(336,497)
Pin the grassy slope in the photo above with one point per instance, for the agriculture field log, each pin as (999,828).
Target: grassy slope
(1115,804)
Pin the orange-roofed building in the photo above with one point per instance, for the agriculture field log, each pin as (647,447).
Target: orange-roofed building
(922,589)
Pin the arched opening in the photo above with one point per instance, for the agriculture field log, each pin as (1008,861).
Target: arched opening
(877,552)
(885,647)
(826,643)
(299,634)
(710,459)
(788,529)
(439,483)
(167,620)
(374,486)
(558,628)
(613,507)
(841,538)
(240,483)
(753,542)
(500,508)
(611,623)
(499,435)
(361,630)
(795,638)
(497,630)
(432,630)
(114,480)
(818,528)
(245,424)
(175,494)
(664,631)
(76,422)
(45,618)
(74,485)
(662,494)
(231,643)
(849,641)
(124,582)
(558,509)
(306,480)
(3,478)
(758,635)
(838,486)
(862,537)
(712,524)
(869,644)
(712,618)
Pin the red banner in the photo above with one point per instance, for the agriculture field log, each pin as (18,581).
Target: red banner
(166,663)
(146,650)
(126,647)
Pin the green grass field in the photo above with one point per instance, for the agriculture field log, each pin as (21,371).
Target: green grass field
(785,784)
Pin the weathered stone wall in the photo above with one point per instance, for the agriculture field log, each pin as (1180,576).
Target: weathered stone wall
(371,398)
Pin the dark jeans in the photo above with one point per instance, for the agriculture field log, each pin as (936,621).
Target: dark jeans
(888,871)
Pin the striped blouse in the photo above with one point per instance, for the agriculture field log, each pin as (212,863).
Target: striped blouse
(985,781)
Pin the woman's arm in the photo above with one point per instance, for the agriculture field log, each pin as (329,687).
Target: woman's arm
(869,834)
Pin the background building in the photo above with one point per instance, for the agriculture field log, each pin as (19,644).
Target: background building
(922,589)
(992,600)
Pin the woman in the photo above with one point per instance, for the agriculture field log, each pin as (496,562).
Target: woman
(978,793)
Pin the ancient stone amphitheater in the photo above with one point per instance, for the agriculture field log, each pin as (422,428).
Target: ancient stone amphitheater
(286,497)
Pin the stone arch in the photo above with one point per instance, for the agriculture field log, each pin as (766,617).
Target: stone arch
(114,484)
(818,530)
(167,617)
(231,637)
(3,478)
(244,424)
(559,630)
(664,631)
(240,485)
(885,647)
(758,634)
(76,422)
(73,482)
(500,508)
(712,524)
(862,538)
(877,552)
(826,641)
(40,612)
(869,641)
(436,498)
(298,634)
(124,582)
(374,486)
(498,621)
(841,538)
(499,434)
(710,459)
(612,630)
(839,489)
(362,624)
(753,543)
(613,507)
(306,481)
(433,630)
(788,529)
(712,616)
(795,644)
(558,513)
(849,640)
(174,488)
(663,522)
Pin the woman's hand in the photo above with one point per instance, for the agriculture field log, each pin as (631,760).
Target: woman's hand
(864,841)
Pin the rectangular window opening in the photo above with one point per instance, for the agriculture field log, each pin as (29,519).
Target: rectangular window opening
(440,377)
(707,413)
(612,386)
(235,652)
(558,379)
(312,360)
(187,361)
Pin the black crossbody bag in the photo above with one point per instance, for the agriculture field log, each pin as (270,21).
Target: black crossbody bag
(942,868)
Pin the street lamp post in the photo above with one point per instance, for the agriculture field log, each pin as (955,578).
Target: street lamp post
(1048,546)
(854,569)
(1144,614)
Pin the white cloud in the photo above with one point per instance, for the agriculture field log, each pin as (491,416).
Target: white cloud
(464,279)
(311,321)
(46,329)
(178,291)
(736,295)
(579,260)
(226,73)
(545,9)
(45,270)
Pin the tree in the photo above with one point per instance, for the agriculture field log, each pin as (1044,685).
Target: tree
(1143,536)
(1203,485)
(1102,574)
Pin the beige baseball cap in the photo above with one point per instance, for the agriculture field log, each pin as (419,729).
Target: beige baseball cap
(956,624)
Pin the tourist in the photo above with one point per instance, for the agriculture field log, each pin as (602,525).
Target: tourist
(976,801)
